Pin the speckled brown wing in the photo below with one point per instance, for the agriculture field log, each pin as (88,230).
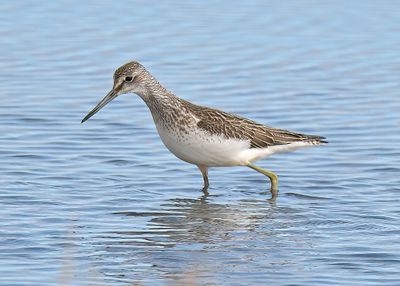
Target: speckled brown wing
(260,136)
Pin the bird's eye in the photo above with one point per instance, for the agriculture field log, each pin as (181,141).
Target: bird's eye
(128,78)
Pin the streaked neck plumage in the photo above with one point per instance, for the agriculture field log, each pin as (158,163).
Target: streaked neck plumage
(150,90)
(162,103)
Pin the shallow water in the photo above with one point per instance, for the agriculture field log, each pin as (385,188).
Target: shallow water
(104,203)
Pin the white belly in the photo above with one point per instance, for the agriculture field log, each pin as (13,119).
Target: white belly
(198,147)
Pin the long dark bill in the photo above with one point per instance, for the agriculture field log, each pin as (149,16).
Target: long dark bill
(110,96)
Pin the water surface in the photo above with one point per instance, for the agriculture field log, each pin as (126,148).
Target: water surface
(104,203)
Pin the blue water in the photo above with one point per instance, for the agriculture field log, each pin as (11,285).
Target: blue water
(104,203)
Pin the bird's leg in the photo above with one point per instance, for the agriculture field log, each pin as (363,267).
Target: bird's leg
(273,178)
(204,172)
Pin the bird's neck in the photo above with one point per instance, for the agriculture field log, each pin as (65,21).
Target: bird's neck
(154,94)
(163,104)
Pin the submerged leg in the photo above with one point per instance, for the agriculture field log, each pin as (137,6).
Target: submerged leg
(204,172)
(273,178)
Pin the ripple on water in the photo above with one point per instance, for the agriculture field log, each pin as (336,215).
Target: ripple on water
(104,203)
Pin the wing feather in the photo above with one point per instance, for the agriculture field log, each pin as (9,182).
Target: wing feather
(233,126)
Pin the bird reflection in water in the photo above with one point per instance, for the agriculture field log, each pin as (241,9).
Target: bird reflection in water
(182,237)
(184,220)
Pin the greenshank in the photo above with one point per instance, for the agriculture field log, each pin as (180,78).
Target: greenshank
(204,136)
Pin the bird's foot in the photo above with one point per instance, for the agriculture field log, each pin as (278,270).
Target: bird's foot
(205,190)
(274,194)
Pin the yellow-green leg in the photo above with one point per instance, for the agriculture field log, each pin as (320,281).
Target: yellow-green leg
(273,178)
(204,172)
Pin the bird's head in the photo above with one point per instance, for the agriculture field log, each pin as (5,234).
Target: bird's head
(131,77)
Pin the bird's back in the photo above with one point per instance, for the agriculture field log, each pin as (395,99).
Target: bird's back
(232,126)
